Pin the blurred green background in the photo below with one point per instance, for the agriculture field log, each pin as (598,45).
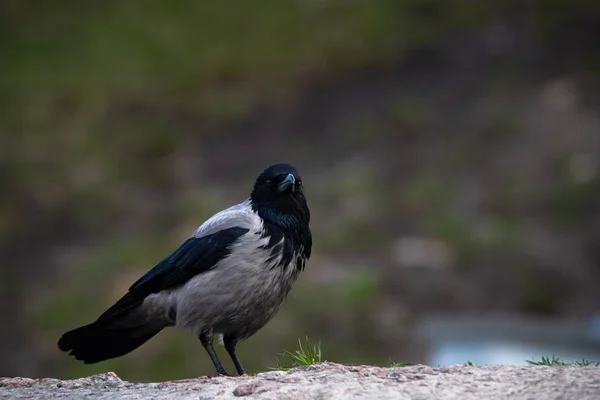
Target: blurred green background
(450,152)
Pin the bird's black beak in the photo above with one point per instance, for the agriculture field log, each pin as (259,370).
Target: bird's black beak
(288,183)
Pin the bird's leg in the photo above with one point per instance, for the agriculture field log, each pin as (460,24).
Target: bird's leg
(230,342)
(206,338)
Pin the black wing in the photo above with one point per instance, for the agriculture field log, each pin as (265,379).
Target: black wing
(194,256)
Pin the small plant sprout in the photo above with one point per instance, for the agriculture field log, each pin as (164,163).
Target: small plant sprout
(556,361)
(308,354)
(400,364)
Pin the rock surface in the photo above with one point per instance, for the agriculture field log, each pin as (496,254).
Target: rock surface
(334,381)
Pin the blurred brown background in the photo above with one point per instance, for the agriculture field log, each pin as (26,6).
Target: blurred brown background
(450,152)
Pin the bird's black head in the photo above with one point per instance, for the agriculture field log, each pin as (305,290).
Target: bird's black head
(278,196)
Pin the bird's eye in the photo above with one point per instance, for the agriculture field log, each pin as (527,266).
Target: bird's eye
(268,181)
(299,182)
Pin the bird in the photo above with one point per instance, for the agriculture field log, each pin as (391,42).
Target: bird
(227,280)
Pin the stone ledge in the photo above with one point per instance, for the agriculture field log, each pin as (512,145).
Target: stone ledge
(334,381)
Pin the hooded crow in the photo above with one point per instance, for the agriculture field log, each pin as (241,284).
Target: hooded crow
(229,278)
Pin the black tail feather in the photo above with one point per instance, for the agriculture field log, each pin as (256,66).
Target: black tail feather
(97,342)
(115,332)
